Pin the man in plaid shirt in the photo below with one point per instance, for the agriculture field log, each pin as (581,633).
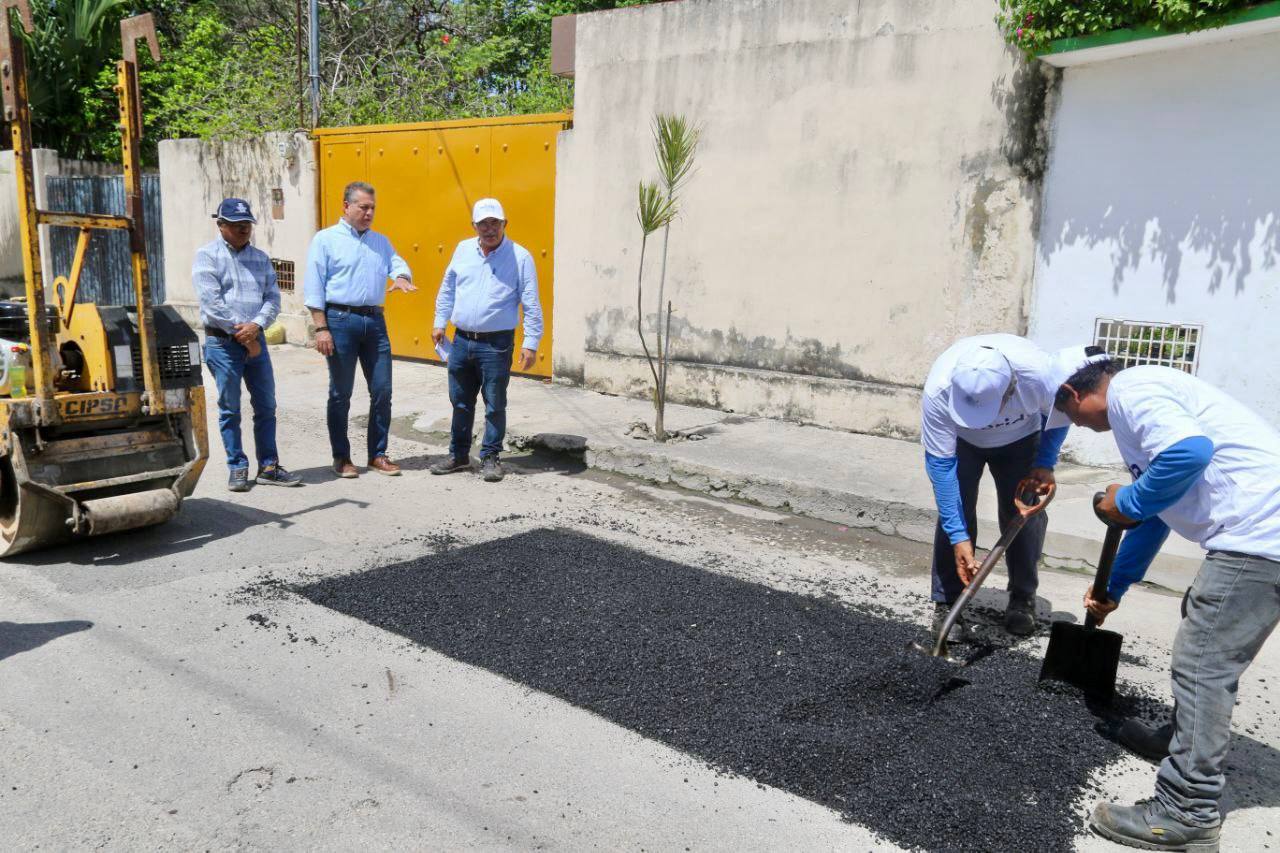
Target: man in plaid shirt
(238,299)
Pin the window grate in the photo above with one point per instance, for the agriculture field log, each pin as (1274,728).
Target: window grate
(284,274)
(1167,344)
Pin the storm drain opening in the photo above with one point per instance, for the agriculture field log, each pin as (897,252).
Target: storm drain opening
(774,686)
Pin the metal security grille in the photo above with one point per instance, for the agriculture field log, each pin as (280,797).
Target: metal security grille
(284,274)
(1168,344)
(175,361)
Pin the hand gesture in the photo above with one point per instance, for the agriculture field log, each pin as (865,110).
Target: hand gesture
(403,285)
(1108,510)
(527,357)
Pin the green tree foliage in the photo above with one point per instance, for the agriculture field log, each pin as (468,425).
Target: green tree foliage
(1033,24)
(230,67)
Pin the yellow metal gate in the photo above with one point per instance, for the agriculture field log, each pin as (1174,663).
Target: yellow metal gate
(427,176)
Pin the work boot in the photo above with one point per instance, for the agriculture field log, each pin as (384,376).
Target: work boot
(276,475)
(1149,742)
(1148,825)
(383,465)
(345,469)
(1020,616)
(239,480)
(491,469)
(961,631)
(449,464)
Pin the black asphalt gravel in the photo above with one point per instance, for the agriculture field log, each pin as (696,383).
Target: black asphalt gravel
(787,690)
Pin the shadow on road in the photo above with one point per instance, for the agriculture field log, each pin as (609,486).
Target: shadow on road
(19,637)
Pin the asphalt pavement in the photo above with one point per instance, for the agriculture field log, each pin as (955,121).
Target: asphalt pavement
(191,687)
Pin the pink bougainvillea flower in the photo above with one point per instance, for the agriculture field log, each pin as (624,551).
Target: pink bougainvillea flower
(1030,17)
(445,39)
(1019,32)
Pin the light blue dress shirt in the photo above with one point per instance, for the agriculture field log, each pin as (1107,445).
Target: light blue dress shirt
(350,268)
(234,287)
(484,294)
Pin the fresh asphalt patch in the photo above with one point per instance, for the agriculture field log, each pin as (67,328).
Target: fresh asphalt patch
(771,685)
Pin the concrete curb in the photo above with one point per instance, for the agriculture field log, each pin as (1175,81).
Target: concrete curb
(646,462)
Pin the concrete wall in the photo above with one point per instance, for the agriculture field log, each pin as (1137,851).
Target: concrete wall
(195,176)
(45,163)
(1162,204)
(866,193)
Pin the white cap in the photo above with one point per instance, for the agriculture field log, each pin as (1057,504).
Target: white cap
(978,382)
(1069,360)
(487,208)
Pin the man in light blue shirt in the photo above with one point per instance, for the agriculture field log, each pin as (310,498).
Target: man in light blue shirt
(345,285)
(239,298)
(487,283)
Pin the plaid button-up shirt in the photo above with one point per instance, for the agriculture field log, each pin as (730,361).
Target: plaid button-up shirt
(235,287)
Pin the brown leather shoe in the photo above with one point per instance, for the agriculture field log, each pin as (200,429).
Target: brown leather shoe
(383,465)
(344,469)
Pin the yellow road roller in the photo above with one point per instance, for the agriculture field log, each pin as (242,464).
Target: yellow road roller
(102,417)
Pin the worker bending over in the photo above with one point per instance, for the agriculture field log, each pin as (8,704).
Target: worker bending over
(988,402)
(1209,468)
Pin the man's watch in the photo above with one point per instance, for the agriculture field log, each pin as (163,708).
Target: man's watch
(320,329)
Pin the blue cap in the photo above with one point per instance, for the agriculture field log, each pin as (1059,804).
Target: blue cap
(234,210)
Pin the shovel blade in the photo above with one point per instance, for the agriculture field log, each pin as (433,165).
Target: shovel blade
(1086,658)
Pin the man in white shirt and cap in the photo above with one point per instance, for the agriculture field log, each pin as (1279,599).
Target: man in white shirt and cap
(1207,467)
(988,403)
(490,281)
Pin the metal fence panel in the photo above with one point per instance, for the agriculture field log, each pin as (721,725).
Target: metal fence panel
(107,277)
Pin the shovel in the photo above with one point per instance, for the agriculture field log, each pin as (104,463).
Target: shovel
(1086,656)
(1028,504)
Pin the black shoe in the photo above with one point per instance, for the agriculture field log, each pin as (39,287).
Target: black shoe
(276,475)
(1149,742)
(961,630)
(1147,825)
(239,480)
(448,465)
(1020,617)
(491,469)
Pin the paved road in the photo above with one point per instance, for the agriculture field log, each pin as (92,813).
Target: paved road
(160,690)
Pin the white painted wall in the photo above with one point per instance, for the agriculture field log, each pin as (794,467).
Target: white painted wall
(865,194)
(1162,203)
(195,176)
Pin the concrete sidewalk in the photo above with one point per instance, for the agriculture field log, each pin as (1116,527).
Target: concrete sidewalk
(846,478)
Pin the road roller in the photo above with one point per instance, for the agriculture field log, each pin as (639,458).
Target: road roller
(102,417)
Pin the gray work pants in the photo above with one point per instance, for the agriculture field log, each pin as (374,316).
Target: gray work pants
(1231,609)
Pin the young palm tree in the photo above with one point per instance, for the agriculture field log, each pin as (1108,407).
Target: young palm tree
(675,142)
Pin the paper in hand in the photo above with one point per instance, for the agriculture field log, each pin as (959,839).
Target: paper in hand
(444,348)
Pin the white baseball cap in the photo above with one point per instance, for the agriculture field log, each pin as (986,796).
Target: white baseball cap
(487,208)
(978,382)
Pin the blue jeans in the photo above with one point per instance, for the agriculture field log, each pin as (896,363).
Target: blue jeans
(229,362)
(479,367)
(363,339)
(1009,464)
(1232,607)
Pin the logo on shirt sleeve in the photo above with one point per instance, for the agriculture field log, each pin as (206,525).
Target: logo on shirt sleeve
(1135,471)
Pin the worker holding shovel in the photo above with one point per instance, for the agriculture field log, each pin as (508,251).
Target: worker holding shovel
(988,402)
(1205,466)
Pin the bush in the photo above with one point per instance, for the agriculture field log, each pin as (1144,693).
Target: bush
(1033,24)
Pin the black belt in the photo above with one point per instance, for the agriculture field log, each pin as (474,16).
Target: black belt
(362,310)
(217,333)
(483,336)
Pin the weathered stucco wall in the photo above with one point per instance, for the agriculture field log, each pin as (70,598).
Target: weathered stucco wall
(1162,205)
(866,193)
(195,176)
